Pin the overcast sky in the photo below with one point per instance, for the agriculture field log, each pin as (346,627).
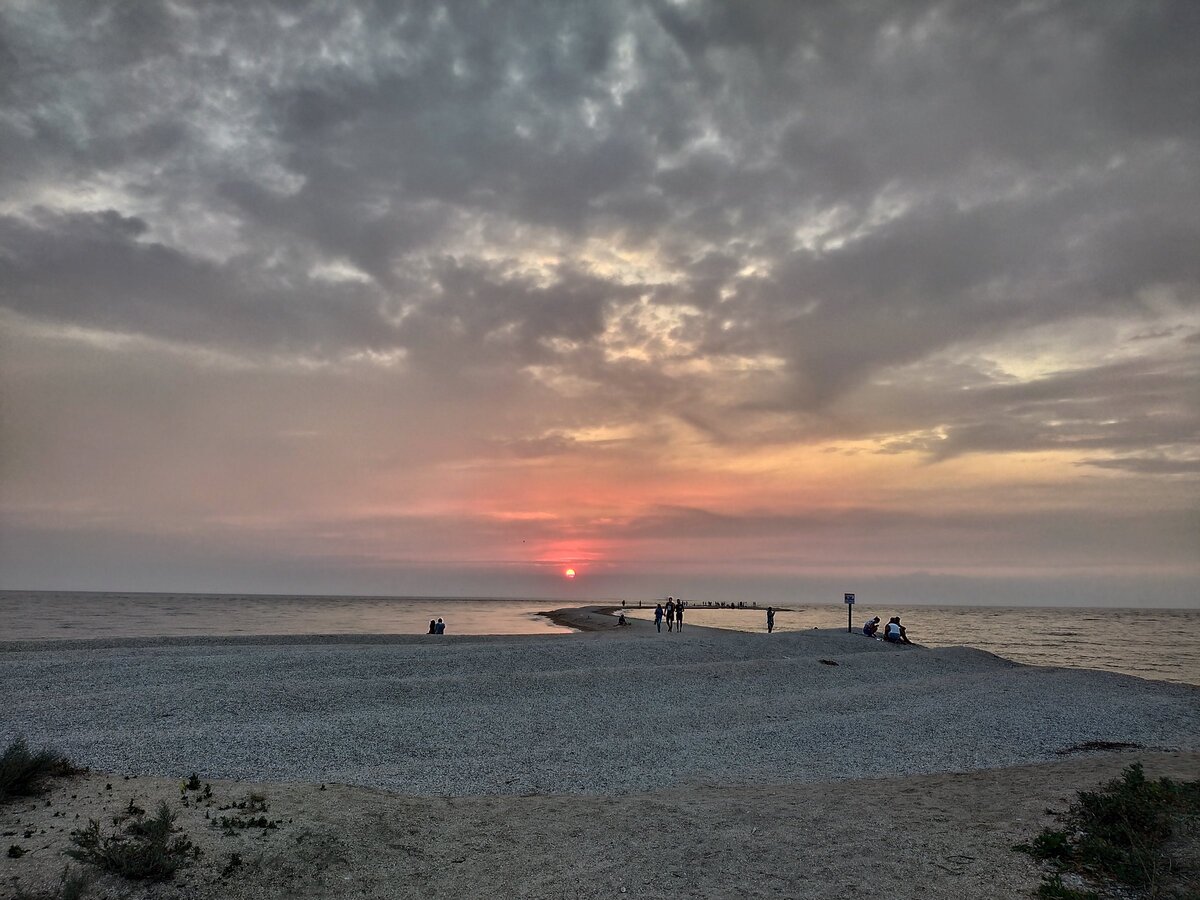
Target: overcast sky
(764,299)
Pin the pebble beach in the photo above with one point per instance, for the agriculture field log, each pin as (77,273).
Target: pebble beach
(620,716)
(600,712)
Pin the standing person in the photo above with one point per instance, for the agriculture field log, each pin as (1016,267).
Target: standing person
(658,614)
(679,615)
(770,619)
(441,627)
(670,613)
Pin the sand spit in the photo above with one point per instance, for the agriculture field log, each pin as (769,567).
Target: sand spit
(617,711)
(617,762)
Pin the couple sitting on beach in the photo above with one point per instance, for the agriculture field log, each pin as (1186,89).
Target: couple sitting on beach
(438,627)
(893,632)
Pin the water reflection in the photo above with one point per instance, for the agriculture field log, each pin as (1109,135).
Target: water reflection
(36,616)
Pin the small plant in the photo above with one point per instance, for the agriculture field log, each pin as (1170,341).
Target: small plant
(1048,845)
(234,823)
(71,886)
(1054,889)
(254,803)
(23,772)
(235,863)
(193,783)
(74,885)
(1119,834)
(148,849)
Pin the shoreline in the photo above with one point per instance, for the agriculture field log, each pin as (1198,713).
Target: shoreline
(1048,638)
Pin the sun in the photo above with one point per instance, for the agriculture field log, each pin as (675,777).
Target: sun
(570,573)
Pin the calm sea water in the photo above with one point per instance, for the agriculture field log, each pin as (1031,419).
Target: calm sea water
(40,616)
(1149,643)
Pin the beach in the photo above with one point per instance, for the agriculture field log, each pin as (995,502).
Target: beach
(709,763)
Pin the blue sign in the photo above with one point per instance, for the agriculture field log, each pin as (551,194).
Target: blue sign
(849,598)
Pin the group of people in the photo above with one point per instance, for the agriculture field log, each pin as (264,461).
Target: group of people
(893,631)
(437,627)
(673,612)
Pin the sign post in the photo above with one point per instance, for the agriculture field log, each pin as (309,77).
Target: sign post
(849,598)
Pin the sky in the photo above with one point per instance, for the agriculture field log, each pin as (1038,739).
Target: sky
(743,300)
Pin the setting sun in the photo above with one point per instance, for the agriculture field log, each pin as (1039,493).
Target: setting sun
(570,573)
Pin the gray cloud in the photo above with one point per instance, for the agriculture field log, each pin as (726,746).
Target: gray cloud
(753,224)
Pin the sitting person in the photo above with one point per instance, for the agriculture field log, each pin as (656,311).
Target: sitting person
(895,633)
(621,619)
(871,627)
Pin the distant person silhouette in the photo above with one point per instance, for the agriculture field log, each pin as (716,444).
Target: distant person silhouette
(679,615)
(440,628)
(658,616)
(432,627)
(770,619)
(670,613)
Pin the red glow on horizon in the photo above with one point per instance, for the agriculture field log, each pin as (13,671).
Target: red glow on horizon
(570,573)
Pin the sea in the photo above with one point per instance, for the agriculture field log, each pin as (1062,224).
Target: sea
(1148,643)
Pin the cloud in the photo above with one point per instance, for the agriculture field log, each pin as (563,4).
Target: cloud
(932,230)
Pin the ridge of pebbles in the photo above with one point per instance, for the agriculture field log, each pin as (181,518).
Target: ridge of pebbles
(576,714)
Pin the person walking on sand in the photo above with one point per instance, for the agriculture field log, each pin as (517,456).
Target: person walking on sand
(679,615)
(670,613)
(658,614)
(770,619)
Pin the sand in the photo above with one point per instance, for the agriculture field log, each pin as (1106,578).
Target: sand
(614,763)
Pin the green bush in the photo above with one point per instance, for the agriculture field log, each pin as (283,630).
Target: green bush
(148,849)
(1050,844)
(23,772)
(1118,834)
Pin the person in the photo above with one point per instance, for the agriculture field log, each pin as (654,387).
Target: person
(871,627)
(440,628)
(658,614)
(432,627)
(621,619)
(679,615)
(895,633)
(670,613)
(770,619)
